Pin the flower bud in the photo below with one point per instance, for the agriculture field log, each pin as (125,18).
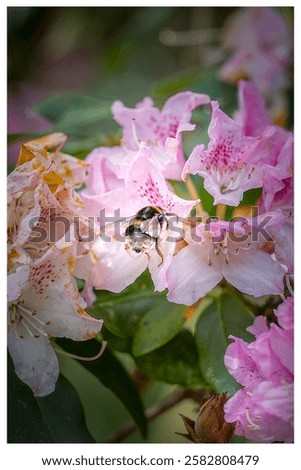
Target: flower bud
(209,425)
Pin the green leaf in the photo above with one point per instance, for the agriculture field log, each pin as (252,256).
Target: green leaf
(123,312)
(116,343)
(57,418)
(225,316)
(63,413)
(54,107)
(174,363)
(158,326)
(111,373)
(251,197)
(78,115)
(123,316)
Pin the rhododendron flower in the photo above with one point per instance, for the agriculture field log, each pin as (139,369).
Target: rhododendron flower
(44,302)
(148,124)
(276,150)
(43,297)
(230,250)
(226,165)
(51,202)
(263,408)
(115,264)
(262,45)
(36,157)
(244,153)
(42,204)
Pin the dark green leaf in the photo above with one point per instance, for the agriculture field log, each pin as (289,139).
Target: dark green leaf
(57,418)
(158,326)
(63,413)
(175,363)
(25,421)
(109,370)
(117,343)
(122,312)
(225,316)
(123,316)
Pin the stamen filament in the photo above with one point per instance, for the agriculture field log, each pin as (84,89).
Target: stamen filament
(84,358)
(252,425)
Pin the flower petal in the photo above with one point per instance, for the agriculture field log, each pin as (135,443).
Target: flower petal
(116,267)
(16,283)
(35,361)
(51,293)
(254,273)
(252,111)
(240,363)
(147,186)
(190,277)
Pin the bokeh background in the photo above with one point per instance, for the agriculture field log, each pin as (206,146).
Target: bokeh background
(66,66)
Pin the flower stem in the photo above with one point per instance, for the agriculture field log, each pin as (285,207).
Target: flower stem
(155,411)
(220,211)
(194,195)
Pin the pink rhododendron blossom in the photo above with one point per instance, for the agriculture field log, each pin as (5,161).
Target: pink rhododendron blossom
(261,42)
(226,165)
(111,264)
(142,184)
(263,408)
(276,150)
(278,178)
(44,302)
(283,236)
(248,152)
(146,123)
(230,250)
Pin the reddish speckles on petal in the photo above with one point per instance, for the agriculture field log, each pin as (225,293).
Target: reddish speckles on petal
(223,156)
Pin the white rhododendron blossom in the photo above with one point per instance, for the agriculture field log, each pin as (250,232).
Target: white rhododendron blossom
(43,298)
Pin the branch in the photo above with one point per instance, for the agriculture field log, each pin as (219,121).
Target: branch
(151,414)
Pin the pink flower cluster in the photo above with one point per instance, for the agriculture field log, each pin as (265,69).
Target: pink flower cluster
(261,44)
(243,153)
(263,408)
(57,234)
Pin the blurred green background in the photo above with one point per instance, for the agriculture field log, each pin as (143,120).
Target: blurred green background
(67,65)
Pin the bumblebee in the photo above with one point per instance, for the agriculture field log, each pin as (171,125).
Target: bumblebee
(145,230)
